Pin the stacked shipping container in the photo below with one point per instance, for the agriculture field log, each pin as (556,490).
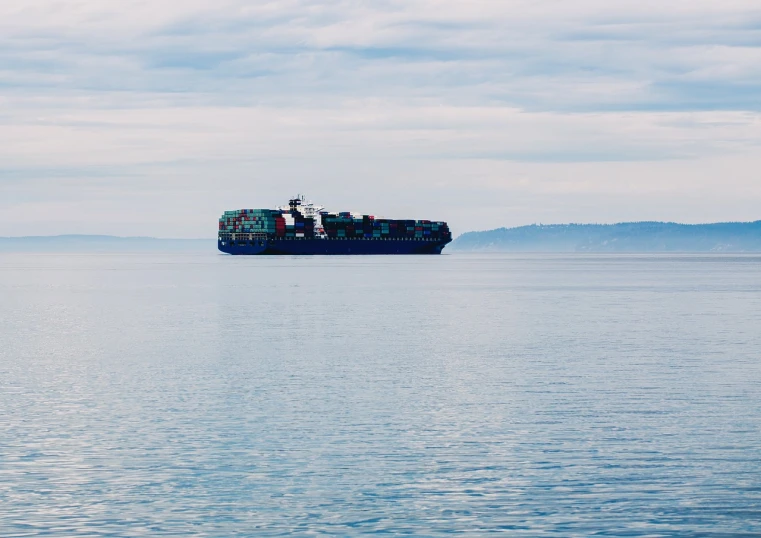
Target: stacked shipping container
(274,223)
(257,221)
(271,222)
(340,225)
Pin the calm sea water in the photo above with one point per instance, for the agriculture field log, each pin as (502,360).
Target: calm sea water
(207,395)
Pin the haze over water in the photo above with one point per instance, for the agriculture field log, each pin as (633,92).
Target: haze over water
(201,394)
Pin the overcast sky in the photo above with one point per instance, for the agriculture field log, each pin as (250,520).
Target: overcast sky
(152,117)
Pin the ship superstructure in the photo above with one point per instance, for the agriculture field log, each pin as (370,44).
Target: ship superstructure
(303,227)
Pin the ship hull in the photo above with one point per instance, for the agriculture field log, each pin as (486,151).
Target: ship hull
(300,247)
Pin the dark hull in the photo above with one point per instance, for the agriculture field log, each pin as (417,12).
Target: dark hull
(332,247)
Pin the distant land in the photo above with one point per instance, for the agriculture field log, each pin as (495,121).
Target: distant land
(624,237)
(101,243)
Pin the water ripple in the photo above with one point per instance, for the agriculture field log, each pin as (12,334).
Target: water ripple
(178,395)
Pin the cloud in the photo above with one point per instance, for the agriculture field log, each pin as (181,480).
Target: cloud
(116,101)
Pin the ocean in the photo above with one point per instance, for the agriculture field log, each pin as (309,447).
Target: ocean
(198,394)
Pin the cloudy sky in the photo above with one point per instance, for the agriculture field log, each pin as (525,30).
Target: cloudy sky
(152,117)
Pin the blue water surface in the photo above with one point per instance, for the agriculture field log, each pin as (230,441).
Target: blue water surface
(207,395)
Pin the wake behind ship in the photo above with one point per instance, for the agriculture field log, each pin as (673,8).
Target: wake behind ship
(304,228)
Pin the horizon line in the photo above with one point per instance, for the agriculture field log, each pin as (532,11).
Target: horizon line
(146,237)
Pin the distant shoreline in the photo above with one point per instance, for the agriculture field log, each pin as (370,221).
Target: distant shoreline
(100,243)
(633,237)
(629,237)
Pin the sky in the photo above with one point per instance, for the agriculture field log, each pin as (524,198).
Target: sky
(153,117)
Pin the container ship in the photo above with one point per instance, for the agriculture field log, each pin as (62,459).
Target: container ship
(305,228)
